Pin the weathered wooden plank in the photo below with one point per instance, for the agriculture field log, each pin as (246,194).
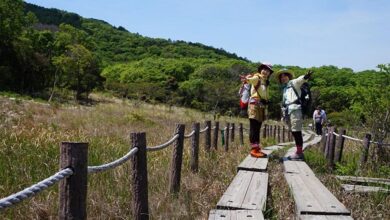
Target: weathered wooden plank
(248,190)
(358,179)
(364,189)
(297,167)
(304,199)
(311,196)
(325,217)
(256,196)
(286,143)
(253,164)
(274,147)
(219,214)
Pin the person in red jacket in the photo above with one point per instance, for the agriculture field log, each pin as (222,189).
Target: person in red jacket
(257,108)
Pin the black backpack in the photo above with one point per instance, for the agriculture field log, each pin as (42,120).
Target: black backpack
(305,99)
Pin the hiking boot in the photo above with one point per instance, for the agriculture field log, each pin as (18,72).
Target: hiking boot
(297,157)
(256,152)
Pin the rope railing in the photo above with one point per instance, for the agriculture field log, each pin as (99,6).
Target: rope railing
(356,139)
(111,165)
(75,155)
(205,129)
(162,146)
(379,143)
(190,134)
(34,189)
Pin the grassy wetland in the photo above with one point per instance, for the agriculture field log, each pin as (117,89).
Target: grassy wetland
(31,132)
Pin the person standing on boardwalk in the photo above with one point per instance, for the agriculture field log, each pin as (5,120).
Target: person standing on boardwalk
(291,108)
(257,107)
(319,119)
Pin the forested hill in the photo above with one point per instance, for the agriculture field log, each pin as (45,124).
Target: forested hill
(116,44)
(52,53)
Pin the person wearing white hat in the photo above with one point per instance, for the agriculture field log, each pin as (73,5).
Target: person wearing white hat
(257,108)
(292,110)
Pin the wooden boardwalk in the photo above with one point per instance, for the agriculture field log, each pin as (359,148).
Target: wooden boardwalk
(312,199)
(246,196)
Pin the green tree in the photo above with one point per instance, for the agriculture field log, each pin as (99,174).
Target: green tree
(77,66)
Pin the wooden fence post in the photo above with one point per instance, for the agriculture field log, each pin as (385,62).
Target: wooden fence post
(329,133)
(331,147)
(366,146)
(195,148)
(216,131)
(177,158)
(275,128)
(139,177)
(232,134)
(265,131)
(278,134)
(324,139)
(269,131)
(207,138)
(227,136)
(73,190)
(283,134)
(340,145)
(241,134)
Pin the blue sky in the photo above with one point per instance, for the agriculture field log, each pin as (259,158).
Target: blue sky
(305,33)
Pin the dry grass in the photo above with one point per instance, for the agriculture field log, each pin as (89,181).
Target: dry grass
(280,203)
(30,135)
(361,205)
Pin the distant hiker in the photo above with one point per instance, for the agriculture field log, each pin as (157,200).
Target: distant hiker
(257,107)
(291,108)
(319,119)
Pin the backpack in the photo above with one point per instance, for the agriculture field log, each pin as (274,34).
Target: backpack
(305,99)
(244,93)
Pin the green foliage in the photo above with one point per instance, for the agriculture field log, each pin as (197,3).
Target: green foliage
(11,20)
(57,49)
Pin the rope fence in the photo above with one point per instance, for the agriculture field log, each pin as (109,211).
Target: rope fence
(34,189)
(190,134)
(333,145)
(111,165)
(205,129)
(359,140)
(164,145)
(74,163)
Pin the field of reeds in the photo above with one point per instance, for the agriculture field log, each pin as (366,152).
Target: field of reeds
(31,133)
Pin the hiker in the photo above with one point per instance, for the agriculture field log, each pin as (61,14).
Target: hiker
(319,119)
(291,109)
(257,107)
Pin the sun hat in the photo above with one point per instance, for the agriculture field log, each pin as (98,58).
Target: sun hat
(265,65)
(284,71)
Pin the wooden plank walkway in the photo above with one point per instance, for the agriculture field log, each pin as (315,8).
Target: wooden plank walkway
(255,164)
(364,189)
(325,217)
(312,199)
(246,196)
(248,190)
(310,195)
(235,215)
(358,179)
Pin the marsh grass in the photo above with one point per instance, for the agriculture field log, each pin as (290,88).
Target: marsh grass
(361,205)
(31,133)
